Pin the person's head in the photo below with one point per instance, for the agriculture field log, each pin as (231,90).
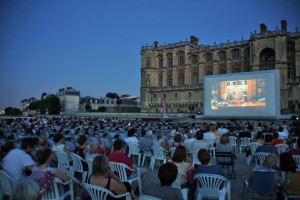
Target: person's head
(118,144)
(81,140)
(6,147)
(207,128)
(25,189)
(149,133)
(100,166)
(28,144)
(287,162)
(177,138)
(259,135)
(58,137)
(271,161)
(159,134)
(204,156)
(131,132)
(280,129)
(189,135)
(199,135)
(275,135)
(43,142)
(224,139)
(179,154)
(167,173)
(43,155)
(268,138)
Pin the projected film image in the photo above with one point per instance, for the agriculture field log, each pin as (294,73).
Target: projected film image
(239,94)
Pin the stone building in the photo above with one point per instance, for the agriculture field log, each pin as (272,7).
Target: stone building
(69,100)
(175,72)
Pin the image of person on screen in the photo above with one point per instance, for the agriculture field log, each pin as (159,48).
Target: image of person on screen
(236,96)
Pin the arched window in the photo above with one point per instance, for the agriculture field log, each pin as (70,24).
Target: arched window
(236,69)
(208,57)
(181,60)
(160,61)
(291,70)
(195,78)
(267,59)
(290,47)
(208,71)
(148,82)
(247,53)
(195,59)
(160,80)
(170,80)
(170,60)
(181,79)
(222,70)
(222,56)
(148,63)
(235,54)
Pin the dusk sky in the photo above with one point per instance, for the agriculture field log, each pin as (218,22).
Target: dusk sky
(94,46)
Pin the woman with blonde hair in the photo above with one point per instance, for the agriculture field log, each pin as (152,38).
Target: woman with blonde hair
(225,146)
(160,141)
(102,176)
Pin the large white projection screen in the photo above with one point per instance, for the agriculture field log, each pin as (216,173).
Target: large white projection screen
(247,95)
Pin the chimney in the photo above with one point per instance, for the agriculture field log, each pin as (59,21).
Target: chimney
(263,28)
(283,25)
(155,44)
(194,40)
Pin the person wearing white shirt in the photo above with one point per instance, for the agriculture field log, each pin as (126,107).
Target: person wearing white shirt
(188,141)
(18,162)
(209,137)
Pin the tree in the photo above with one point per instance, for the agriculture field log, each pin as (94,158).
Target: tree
(51,103)
(112,95)
(88,106)
(43,94)
(12,111)
(102,109)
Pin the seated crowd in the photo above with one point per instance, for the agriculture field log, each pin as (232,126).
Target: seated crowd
(29,151)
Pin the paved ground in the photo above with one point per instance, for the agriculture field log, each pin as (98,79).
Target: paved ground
(241,169)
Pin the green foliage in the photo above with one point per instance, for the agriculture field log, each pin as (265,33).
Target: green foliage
(12,111)
(88,107)
(112,95)
(51,103)
(101,109)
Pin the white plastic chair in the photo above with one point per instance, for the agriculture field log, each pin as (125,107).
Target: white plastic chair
(159,153)
(210,184)
(148,197)
(100,193)
(260,156)
(78,167)
(63,161)
(195,158)
(71,145)
(6,183)
(233,142)
(297,159)
(177,184)
(294,142)
(134,150)
(121,168)
(244,142)
(253,146)
(146,154)
(282,148)
(55,194)
(89,160)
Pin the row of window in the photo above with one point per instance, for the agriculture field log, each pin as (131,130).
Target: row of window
(208,57)
(175,95)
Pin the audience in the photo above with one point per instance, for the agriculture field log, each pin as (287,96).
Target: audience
(267,146)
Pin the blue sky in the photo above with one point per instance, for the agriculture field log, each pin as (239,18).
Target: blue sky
(94,46)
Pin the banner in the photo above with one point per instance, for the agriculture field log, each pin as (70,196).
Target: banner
(164,108)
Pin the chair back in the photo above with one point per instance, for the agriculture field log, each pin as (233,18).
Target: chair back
(120,168)
(195,158)
(158,152)
(210,184)
(176,183)
(133,148)
(263,182)
(282,148)
(63,159)
(233,142)
(261,156)
(70,144)
(100,193)
(55,192)
(77,162)
(245,141)
(253,146)
(297,159)
(6,183)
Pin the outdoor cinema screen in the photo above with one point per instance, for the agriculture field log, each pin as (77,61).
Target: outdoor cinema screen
(242,95)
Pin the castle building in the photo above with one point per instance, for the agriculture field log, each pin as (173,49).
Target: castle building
(69,100)
(174,73)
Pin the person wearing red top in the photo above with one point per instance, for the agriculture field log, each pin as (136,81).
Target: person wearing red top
(276,139)
(118,156)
